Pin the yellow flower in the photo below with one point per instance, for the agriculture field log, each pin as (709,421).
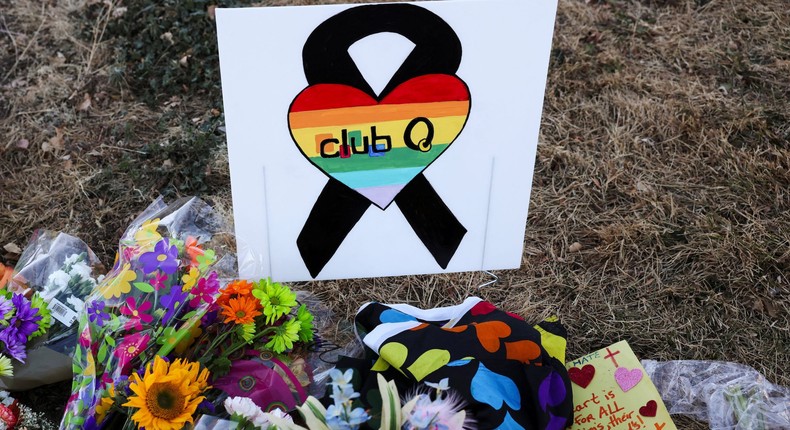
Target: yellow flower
(167,394)
(119,284)
(190,278)
(147,237)
(186,342)
(105,404)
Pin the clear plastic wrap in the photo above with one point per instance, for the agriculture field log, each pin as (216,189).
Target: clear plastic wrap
(171,303)
(62,270)
(148,304)
(729,396)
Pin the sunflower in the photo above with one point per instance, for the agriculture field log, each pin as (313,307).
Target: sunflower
(167,394)
(242,310)
(6,367)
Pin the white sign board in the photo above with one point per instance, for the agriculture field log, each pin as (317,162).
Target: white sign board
(382,139)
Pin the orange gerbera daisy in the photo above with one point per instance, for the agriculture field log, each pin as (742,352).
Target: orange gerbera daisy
(241,310)
(235,289)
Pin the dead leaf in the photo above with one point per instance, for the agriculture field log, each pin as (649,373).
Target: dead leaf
(212,12)
(215,112)
(167,164)
(68,164)
(575,247)
(12,248)
(642,187)
(22,143)
(167,37)
(770,308)
(184,60)
(55,141)
(86,103)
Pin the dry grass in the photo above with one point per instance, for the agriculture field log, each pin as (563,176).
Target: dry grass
(663,152)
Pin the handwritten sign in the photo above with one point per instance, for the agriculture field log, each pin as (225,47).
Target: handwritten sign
(611,391)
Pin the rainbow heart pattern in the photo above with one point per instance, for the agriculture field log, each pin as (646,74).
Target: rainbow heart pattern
(377,147)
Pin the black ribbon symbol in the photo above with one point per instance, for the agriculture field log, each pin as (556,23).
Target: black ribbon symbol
(326,59)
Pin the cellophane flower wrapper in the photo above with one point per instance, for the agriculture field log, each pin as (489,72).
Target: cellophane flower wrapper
(64,271)
(61,270)
(148,304)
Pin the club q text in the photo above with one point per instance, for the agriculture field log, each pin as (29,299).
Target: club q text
(375,145)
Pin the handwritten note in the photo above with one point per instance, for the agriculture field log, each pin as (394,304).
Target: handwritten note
(611,391)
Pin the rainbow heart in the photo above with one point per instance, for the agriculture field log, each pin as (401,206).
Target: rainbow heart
(377,147)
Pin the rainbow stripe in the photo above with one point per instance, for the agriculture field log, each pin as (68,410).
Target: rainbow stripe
(327,111)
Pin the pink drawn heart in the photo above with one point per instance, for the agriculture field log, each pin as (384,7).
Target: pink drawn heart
(627,379)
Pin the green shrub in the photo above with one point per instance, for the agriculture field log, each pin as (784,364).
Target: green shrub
(164,48)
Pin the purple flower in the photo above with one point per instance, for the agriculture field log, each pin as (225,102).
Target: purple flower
(205,290)
(12,346)
(163,257)
(96,313)
(207,406)
(209,318)
(172,301)
(24,321)
(5,307)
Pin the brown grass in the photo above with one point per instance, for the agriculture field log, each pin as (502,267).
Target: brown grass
(663,153)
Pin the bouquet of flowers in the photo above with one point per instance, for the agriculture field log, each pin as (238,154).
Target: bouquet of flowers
(59,269)
(163,333)
(433,408)
(14,415)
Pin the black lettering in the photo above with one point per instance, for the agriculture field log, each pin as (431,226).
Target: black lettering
(375,138)
(326,142)
(353,143)
(424,145)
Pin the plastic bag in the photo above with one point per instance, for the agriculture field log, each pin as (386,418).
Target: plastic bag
(729,396)
(62,270)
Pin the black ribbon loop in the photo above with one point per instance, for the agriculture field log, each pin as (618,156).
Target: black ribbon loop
(326,60)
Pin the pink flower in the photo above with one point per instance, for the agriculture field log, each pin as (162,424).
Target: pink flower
(205,290)
(130,347)
(158,280)
(136,314)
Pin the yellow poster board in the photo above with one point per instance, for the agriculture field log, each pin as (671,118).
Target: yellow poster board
(611,391)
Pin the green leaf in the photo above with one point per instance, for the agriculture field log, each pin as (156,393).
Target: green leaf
(144,287)
(314,414)
(188,315)
(102,352)
(220,367)
(110,341)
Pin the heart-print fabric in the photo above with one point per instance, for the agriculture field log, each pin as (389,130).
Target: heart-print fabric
(376,148)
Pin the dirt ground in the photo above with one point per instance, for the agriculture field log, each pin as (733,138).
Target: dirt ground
(660,210)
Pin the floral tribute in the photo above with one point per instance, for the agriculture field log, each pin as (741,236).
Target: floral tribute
(435,407)
(160,329)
